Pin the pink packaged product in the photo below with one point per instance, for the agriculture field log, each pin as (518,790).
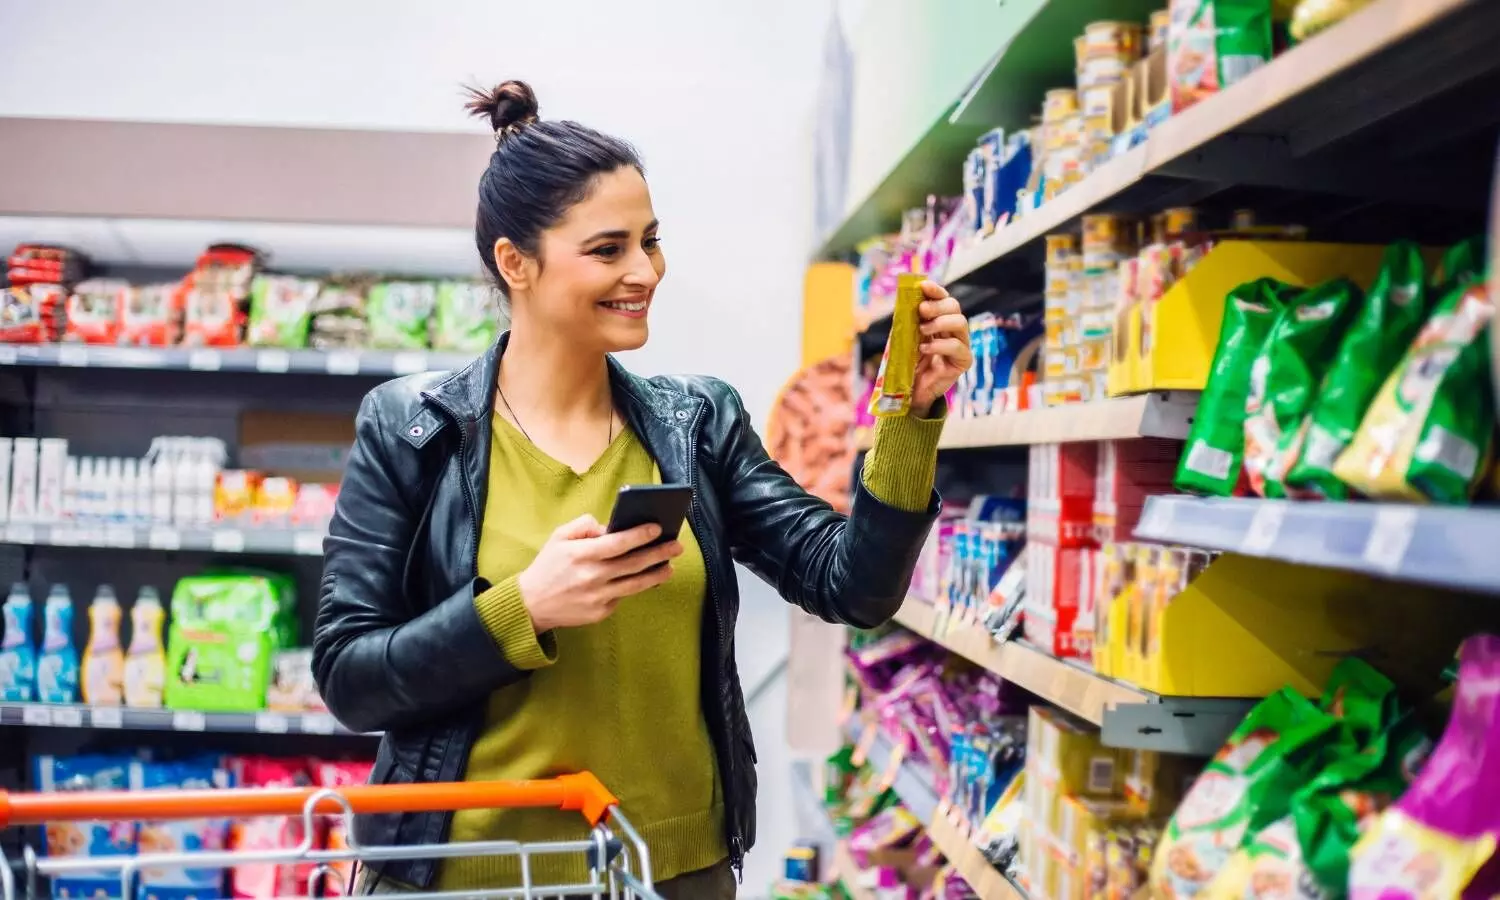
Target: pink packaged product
(1130,471)
(254,880)
(1439,839)
(337,775)
(887,830)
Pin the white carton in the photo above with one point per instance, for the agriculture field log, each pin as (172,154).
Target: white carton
(23,480)
(5,445)
(50,474)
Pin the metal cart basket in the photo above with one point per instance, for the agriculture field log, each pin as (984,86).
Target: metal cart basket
(619,868)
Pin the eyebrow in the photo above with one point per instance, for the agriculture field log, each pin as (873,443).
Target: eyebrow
(618,234)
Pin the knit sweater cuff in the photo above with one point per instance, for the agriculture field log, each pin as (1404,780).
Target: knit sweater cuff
(505,617)
(901,466)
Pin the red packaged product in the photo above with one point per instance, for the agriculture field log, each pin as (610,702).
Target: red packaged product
(257,880)
(215,294)
(337,775)
(1059,586)
(151,316)
(28,313)
(1129,472)
(94,311)
(1060,493)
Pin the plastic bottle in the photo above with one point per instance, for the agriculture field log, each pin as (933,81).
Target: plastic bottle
(125,496)
(17,650)
(70,490)
(103,660)
(143,513)
(146,661)
(57,664)
(184,479)
(114,480)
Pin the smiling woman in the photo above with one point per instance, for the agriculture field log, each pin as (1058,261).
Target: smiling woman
(474,608)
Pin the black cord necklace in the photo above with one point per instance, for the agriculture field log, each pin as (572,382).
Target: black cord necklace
(610,439)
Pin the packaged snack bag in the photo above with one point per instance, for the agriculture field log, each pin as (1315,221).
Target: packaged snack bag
(898,367)
(399,314)
(280,311)
(467,318)
(179,836)
(1265,758)
(1211,463)
(1461,263)
(1430,844)
(86,773)
(1211,44)
(269,832)
(1428,434)
(1285,375)
(151,316)
(94,311)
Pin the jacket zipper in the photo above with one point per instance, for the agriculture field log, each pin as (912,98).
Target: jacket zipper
(473,505)
(700,525)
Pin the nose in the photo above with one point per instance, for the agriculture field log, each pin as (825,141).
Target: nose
(643,273)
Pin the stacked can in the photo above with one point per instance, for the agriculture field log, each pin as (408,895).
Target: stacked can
(1109,244)
(1062,141)
(1060,348)
(1104,54)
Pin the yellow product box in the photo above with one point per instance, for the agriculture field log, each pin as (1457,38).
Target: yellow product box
(1083,823)
(1066,752)
(1155,783)
(1043,800)
(1055,363)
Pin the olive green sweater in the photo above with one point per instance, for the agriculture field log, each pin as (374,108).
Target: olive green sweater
(621,697)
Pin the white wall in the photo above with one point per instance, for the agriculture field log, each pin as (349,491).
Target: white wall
(715,95)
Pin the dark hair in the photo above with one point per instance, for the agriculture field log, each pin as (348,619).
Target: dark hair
(538,170)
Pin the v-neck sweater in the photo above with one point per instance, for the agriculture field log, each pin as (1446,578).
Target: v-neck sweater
(620,698)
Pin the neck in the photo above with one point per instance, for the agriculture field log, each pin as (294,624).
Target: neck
(552,377)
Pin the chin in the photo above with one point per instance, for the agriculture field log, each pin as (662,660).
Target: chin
(620,340)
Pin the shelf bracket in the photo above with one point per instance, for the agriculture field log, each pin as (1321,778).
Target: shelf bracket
(1193,726)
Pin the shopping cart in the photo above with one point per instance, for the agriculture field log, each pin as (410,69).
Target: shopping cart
(617,868)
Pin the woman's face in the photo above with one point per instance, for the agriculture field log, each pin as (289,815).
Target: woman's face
(598,267)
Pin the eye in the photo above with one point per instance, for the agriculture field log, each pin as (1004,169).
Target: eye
(606,251)
(651,244)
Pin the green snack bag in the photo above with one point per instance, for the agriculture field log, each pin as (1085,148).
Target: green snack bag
(220,643)
(467,317)
(1461,264)
(1429,433)
(1391,315)
(280,311)
(1211,44)
(400,314)
(1244,787)
(1211,461)
(1285,375)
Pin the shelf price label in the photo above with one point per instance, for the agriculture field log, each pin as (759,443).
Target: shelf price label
(69,355)
(308,543)
(317,723)
(272,723)
(187,720)
(205,361)
(7,355)
(67,717)
(341,362)
(1390,536)
(37,715)
(20,533)
(119,536)
(408,363)
(161,538)
(273,361)
(106,717)
(228,540)
(1264,528)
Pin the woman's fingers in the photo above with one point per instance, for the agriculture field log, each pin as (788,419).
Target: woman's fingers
(954,324)
(955,349)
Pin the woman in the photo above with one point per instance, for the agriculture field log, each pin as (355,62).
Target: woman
(474,609)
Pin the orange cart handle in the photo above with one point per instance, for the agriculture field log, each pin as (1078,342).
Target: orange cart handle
(582,792)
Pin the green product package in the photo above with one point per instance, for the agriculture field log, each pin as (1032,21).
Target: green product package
(1429,434)
(400,314)
(280,311)
(1461,264)
(1211,44)
(1393,312)
(466,318)
(1211,461)
(1243,788)
(225,630)
(1285,375)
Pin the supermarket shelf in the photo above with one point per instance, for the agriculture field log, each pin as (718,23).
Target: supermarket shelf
(60,715)
(1165,414)
(912,782)
(297,362)
(1444,546)
(1127,716)
(1311,98)
(848,874)
(260,541)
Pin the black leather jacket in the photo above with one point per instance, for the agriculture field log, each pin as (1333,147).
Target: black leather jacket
(399,647)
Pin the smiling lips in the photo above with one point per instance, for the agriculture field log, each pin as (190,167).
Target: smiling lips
(634,309)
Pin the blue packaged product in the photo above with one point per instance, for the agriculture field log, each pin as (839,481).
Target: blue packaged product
(974,171)
(57,664)
(1015,172)
(87,839)
(993,213)
(184,836)
(17,649)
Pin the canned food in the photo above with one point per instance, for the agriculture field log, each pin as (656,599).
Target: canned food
(1161,20)
(1058,104)
(1098,71)
(1109,38)
(1106,240)
(1098,102)
(1060,247)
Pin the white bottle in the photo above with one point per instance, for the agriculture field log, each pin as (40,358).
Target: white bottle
(205,479)
(143,513)
(125,495)
(114,476)
(70,490)
(161,489)
(83,501)
(184,470)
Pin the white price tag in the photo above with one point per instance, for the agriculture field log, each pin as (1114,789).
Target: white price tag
(188,721)
(64,537)
(272,723)
(7,355)
(409,363)
(229,541)
(162,538)
(318,723)
(88,537)
(69,355)
(67,717)
(273,361)
(119,536)
(342,362)
(37,715)
(205,361)
(1156,519)
(308,543)
(107,717)
(20,533)
(1265,525)
(1390,536)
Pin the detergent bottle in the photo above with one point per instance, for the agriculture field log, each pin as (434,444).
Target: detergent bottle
(17,649)
(146,660)
(103,658)
(57,664)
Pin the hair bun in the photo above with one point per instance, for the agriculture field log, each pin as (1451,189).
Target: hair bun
(508,105)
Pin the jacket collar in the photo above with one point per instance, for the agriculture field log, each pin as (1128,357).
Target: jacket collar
(469,393)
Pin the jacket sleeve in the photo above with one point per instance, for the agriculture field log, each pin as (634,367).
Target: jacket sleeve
(379,664)
(851,571)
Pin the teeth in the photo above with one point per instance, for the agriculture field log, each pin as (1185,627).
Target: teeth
(627,306)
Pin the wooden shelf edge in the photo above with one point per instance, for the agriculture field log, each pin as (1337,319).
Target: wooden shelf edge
(983,877)
(1373,29)
(1072,687)
(1123,418)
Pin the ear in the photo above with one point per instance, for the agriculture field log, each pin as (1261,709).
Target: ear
(515,267)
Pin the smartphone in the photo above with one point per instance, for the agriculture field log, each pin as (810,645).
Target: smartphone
(661,504)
